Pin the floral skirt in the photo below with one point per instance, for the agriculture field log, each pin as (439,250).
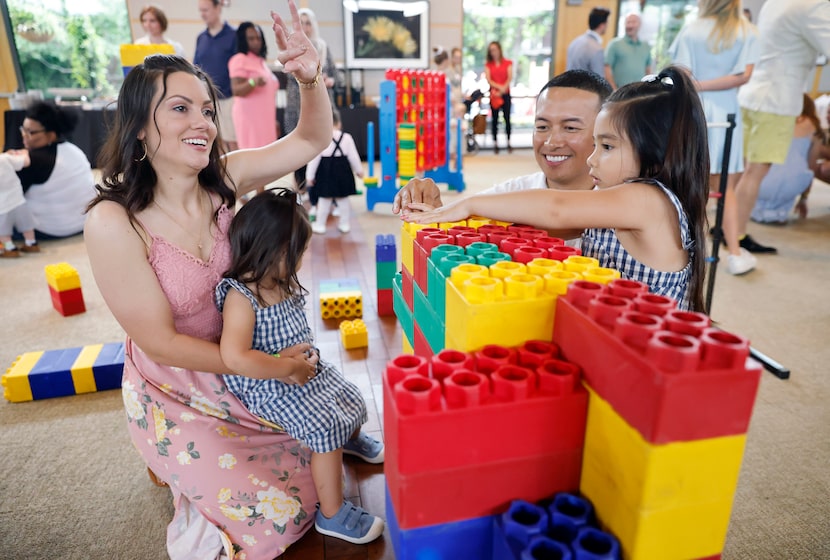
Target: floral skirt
(251,482)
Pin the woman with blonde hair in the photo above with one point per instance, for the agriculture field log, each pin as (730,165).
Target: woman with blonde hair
(720,48)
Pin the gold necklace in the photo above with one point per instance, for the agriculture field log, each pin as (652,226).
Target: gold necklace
(181,227)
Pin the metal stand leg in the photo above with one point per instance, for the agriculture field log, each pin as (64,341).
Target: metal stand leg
(717,236)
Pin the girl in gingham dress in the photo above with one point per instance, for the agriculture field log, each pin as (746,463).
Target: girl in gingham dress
(646,216)
(262,305)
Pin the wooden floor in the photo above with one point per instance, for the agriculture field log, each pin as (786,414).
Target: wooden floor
(333,256)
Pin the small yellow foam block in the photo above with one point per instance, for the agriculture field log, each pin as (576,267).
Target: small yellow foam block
(62,277)
(132,55)
(353,334)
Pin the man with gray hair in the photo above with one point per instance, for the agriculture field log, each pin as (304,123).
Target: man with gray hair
(627,58)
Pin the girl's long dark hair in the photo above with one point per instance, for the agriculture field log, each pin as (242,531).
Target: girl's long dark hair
(663,119)
(127,176)
(270,228)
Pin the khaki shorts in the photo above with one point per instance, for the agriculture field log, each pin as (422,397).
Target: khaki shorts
(225,117)
(767,136)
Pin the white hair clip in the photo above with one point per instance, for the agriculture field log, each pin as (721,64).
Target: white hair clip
(665,80)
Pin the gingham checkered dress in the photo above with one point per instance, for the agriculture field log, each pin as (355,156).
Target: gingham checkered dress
(602,244)
(324,412)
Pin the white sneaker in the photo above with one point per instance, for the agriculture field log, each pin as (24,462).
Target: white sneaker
(344,227)
(741,264)
(318,227)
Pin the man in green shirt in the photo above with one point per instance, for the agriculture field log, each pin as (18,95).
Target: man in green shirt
(627,59)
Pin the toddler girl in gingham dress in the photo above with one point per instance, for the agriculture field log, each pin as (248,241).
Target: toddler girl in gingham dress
(267,342)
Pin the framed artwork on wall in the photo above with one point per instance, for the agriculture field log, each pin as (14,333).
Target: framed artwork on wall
(381,35)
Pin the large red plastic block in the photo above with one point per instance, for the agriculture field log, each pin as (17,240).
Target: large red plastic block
(425,241)
(407,281)
(472,491)
(470,418)
(667,385)
(67,302)
(420,343)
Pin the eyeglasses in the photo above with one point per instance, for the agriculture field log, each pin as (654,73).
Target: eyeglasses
(26,132)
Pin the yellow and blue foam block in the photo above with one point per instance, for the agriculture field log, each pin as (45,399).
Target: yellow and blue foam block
(59,373)
(341,299)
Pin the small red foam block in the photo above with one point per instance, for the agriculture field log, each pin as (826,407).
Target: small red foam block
(67,302)
(680,387)
(385,299)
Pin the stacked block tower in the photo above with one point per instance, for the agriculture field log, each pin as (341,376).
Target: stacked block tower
(65,289)
(414,124)
(386,266)
(659,447)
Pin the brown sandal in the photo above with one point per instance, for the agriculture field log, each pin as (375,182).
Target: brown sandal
(156,480)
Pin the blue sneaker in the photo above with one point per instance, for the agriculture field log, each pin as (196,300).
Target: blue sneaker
(351,524)
(366,447)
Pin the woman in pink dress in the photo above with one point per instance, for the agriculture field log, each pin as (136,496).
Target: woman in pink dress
(254,88)
(156,236)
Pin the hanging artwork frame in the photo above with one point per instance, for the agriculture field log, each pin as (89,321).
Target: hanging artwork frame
(381,35)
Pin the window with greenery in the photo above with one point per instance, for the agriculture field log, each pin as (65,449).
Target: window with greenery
(525,29)
(63,44)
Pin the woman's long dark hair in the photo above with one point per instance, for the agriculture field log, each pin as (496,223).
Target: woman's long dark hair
(663,119)
(127,176)
(270,228)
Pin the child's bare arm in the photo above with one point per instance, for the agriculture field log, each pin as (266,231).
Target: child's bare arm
(235,347)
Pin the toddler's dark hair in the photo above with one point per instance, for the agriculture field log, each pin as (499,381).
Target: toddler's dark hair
(271,227)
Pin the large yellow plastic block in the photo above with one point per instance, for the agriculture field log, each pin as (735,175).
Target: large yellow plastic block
(16,387)
(62,276)
(663,502)
(485,310)
(407,244)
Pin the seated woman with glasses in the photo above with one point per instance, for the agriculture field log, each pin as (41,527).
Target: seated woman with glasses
(57,180)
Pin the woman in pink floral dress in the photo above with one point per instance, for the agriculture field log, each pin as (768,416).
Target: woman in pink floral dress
(156,236)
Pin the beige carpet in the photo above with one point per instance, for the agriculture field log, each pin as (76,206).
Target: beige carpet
(73,488)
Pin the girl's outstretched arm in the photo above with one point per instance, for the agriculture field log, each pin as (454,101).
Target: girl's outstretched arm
(628,206)
(252,168)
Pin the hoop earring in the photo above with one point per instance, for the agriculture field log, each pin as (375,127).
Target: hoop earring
(143,157)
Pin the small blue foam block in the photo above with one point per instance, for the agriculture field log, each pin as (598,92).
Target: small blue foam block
(339,285)
(471,538)
(108,366)
(385,248)
(51,376)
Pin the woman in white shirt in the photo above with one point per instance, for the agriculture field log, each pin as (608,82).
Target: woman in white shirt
(154,23)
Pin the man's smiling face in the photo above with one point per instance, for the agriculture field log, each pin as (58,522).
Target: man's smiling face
(563,136)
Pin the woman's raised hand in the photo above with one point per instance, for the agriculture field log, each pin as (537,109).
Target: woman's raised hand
(297,55)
